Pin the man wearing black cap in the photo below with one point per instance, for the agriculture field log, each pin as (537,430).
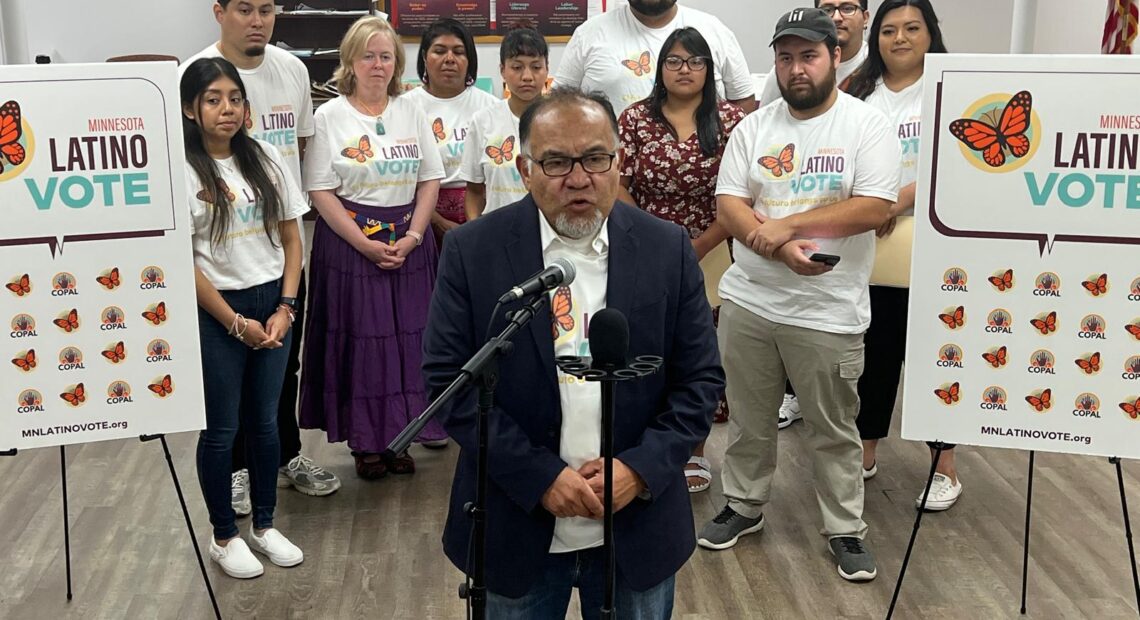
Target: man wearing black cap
(813,174)
(850,17)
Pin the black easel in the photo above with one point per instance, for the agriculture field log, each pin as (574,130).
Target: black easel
(181,500)
(609,376)
(482,368)
(938,448)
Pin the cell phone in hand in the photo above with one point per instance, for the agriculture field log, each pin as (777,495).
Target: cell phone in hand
(830,260)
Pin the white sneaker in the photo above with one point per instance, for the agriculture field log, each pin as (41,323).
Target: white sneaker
(276,547)
(307,477)
(789,411)
(870,473)
(943,494)
(239,493)
(236,559)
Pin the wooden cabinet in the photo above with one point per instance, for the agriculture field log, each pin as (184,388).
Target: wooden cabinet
(313,30)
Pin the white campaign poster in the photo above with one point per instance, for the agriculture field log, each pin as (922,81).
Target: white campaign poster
(1024,326)
(102,339)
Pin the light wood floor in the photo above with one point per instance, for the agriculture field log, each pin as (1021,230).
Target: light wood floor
(372,549)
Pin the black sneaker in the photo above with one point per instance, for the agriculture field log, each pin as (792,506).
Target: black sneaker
(726,528)
(854,561)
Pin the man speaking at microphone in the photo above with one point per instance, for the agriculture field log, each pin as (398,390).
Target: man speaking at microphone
(544,506)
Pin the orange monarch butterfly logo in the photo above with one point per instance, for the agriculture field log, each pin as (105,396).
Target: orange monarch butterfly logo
(20,286)
(11,130)
(362,152)
(68,323)
(1096,287)
(437,129)
(994,139)
(109,280)
(640,66)
(954,319)
(26,361)
(156,315)
(116,353)
(1131,408)
(560,306)
(784,162)
(1133,328)
(997,359)
(1002,282)
(162,388)
(75,396)
(503,153)
(949,395)
(208,197)
(1046,325)
(1041,402)
(1090,364)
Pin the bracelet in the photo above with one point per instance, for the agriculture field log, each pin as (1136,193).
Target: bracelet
(234,328)
(289,309)
(415,235)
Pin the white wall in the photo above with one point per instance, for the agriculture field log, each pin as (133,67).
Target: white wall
(93,30)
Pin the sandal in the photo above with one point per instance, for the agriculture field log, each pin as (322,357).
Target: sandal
(703,472)
(369,470)
(402,464)
(720,416)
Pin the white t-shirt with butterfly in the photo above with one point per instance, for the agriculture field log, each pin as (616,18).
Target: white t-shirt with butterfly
(348,154)
(581,401)
(491,160)
(617,54)
(903,110)
(450,124)
(787,166)
(247,257)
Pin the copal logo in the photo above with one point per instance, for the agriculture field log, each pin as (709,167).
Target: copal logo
(994,398)
(63,284)
(999,321)
(30,401)
(1134,290)
(24,326)
(158,351)
(118,393)
(999,133)
(950,356)
(113,318)
(17,144)
(1092,327)
(954,280)
(1048,284)
(152,277)
(1042,362)
(1040,400)
(1131,369)
(70,358)
(1087,405)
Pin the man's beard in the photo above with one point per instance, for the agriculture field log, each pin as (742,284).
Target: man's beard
(578,226)
(814,97)
(255,50)
(652,8)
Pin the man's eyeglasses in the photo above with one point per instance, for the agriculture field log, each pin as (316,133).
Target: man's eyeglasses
(561,166)
(695,63)
(846,10)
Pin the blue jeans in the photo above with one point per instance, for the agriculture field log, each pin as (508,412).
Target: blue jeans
(585,570)
(242,385)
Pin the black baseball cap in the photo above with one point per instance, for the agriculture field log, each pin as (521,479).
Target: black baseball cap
(807,23)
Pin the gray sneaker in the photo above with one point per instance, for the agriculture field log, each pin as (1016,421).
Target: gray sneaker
(726,528)
(853,559)
(307,477)
(239,493)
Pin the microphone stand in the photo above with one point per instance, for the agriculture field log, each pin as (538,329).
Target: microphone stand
(483,368)
(609,375)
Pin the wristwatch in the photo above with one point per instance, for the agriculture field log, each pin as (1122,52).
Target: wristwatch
(288,301)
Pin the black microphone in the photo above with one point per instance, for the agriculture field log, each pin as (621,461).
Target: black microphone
(560,271)
(609,339)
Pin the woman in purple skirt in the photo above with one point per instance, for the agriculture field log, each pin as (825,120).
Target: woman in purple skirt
(372,171)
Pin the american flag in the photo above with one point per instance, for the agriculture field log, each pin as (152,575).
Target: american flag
(1119,27)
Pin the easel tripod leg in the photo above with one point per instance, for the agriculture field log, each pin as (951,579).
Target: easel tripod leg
(1127,530)
(1025,547)
(938,447)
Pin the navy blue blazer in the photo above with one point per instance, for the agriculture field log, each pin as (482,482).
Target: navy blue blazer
(655,280)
